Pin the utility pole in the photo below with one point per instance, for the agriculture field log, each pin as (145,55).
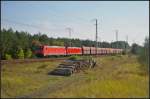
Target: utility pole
(99,42)
(96,36)
(126,43)
(117,38)
(69,30)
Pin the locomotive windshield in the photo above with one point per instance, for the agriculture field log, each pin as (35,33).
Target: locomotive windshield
(40,48)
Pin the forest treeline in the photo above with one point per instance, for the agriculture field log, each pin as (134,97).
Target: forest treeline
(20,44)
(17,44)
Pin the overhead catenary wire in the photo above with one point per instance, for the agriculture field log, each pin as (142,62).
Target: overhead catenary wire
(72,17)
(79,19)
(32,26)
(28,25)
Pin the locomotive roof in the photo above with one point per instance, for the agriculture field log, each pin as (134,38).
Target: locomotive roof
(80,47)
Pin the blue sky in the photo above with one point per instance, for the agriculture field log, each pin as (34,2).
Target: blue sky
(53,17)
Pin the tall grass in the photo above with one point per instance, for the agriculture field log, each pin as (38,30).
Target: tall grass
(144,55)
(113,77)
(21,79)
(111,81)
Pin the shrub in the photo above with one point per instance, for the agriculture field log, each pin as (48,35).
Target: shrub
(124,52)
(34,56)
(8,57)
(144,55)
(20,53)
(28,53)
(74,57)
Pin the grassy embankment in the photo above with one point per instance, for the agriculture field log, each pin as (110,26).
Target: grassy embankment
(114,76)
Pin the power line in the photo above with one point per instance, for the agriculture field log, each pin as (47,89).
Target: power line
(72,17)
(28,25)
(134,40)
(79,18)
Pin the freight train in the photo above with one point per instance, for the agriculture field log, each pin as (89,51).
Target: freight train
(62,50)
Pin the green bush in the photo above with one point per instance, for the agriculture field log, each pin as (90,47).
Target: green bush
(28,53)
(20,53)
(144,55)
(34,56)
(8,57)
(74,57)
(124,52)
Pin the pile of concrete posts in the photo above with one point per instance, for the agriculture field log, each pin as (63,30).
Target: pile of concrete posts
(68,67)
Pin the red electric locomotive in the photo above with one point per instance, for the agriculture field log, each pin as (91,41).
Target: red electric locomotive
(50,50)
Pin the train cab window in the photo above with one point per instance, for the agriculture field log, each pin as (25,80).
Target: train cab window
(41,47)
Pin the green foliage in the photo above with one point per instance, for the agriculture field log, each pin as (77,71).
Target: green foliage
(11,40)
(28,53)
(7,37)
(34,56)
(44,39)
(135,49)
(58,43)
(20,53)
(120,44)
(35,44)
(105,45)
(124,52)
(8,57)
(74,57)
(144,55)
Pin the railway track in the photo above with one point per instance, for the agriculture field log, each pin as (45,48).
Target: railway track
(16,61)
